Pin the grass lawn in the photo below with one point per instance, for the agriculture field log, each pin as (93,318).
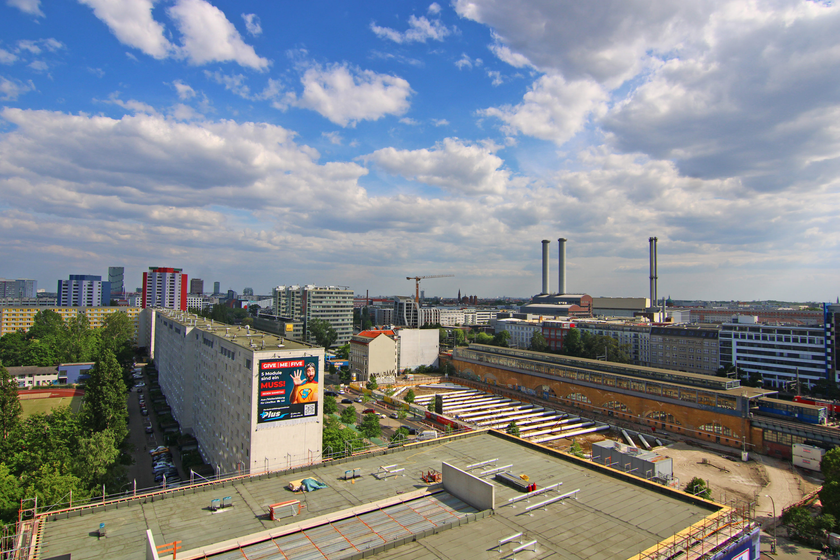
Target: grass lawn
(32,406)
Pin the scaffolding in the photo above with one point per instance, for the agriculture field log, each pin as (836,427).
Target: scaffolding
(705,539)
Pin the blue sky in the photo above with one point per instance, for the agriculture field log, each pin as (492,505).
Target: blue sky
(265,143)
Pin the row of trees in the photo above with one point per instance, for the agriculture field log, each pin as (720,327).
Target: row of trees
(52,341)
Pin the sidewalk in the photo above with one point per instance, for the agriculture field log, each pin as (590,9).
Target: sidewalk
(785,549)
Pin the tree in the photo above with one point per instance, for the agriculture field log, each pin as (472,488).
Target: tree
(323,332)
(402,414)
(105,398)
(460,339)
(484,338)
(538,342)
(512,428)
(348,415)
(409,396)
(343,352)
(370,426)
(365,399)
(572,345)
(830,498)
(431,406)
(330,406)
(97,455)
(400,435)
(372,384)
(501,339)
(698,487)
(576,450)
(38,353)
(10,495)
(53,483)
(12,347)
(344,374)
(830,465)
(9,403)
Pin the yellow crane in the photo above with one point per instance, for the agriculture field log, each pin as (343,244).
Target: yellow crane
(417,283)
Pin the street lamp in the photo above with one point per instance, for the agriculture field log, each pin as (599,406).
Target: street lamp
(774,520)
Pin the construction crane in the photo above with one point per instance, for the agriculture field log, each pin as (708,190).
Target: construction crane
(417,283)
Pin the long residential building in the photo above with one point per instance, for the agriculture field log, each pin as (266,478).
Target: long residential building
(237,391)
(15,318)
(83,290)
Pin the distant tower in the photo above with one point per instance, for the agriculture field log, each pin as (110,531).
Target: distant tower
(459,296)
(217,287)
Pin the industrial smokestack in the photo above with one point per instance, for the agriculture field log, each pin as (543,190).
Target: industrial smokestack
(561,280)
(653,276)
(545,243)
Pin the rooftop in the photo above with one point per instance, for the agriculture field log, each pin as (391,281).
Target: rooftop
(614,515)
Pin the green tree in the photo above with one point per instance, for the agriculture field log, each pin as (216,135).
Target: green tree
(460,338)
(53,483)
(365,399)
(370,426)
(81,341)
(443,336)
(47,324)
(39,353)
(575,449)
(104,404)
(830,498)
(44,439)
(344,374)
(12,347)
(330,406)
(830,465)
(698,487)
(9,403)
(409,396)
(10,494)
(400,435)
(323,332)
(343,352)
(402,414)
(572,345)
(431,406)
(501,339)
(372,384)
(512,428)
(538,342)
(97,455)
(348,415)
(484,338)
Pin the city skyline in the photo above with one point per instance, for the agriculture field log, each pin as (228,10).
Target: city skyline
(266,144)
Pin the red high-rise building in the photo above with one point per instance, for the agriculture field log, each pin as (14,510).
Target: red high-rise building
(165,287)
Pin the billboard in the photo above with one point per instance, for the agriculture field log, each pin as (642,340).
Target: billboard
(288,389)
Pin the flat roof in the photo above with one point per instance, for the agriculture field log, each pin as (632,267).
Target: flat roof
(614,515)
(235,334)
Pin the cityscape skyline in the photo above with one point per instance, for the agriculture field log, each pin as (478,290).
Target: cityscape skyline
(269,144)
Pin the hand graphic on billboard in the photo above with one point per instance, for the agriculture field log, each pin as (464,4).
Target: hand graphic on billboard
(305,390)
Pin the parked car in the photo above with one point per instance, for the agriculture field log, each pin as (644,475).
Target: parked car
(394,415)
(330,394)
(346,401)
(141,384)
(144,412)
(149,429)
(358,399)
(158,449)
(382,416)
(368,411)
(411,431)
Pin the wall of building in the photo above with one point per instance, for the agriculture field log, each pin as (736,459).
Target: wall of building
(418,347)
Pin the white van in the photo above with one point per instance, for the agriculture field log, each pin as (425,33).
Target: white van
(428,434)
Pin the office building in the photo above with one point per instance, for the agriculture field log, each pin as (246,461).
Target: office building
(196,286)
(20,288)
(165,287)
(233,389)
(83,291)
(408,313)
(781,354)
(116,276)
(333,304)
(685,348)
(217,288)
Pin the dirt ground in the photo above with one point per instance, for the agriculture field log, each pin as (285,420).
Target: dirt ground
(736,483)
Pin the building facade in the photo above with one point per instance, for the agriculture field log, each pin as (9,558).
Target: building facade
(333,304)
(116,276)
(83,290)
(15,318)
(373,352)
(685,348)
(780,353)
(197,286)
(408,313)
(223,384)
(165,287)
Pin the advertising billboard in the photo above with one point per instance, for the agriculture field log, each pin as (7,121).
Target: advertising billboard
(288,389)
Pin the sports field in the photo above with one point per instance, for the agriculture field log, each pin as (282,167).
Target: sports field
(35,401)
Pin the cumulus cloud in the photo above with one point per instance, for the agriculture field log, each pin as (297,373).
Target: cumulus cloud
(132,23)
(184,91)
(252,24)
(206,33)
(208,36)
(346,95)
(420,30)
(452,165)
(31,7)
(10,90)
(7,57)
(553,109)
(466,62)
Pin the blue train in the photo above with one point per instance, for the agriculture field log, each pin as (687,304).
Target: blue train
(812,414)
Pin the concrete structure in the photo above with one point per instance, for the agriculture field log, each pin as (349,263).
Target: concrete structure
(685,348)
(83,290)
(196,301)
(22,318)
(20,288)
(779,353)
(561,279)
(554,305)
(116,276)
(619,306)
(634,336)
(197,286)
(213,379)
(333,304)
(165,288)
(555,331)
(545,261)
(417,347)
(521,331)
(62,374)
(598,513)
(381,315)
(646,464)
(373,352)
(764,315)
(705,407)
(408,313)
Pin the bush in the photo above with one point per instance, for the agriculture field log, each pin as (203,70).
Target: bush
(697,487)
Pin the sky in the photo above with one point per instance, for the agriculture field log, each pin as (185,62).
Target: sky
(262,143)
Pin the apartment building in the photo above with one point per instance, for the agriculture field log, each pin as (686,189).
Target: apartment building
(83,290)
(685,348)
(165,288)
(333,304)
(23,317)
(239,392)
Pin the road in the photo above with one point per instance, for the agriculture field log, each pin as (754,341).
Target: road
(389,425)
